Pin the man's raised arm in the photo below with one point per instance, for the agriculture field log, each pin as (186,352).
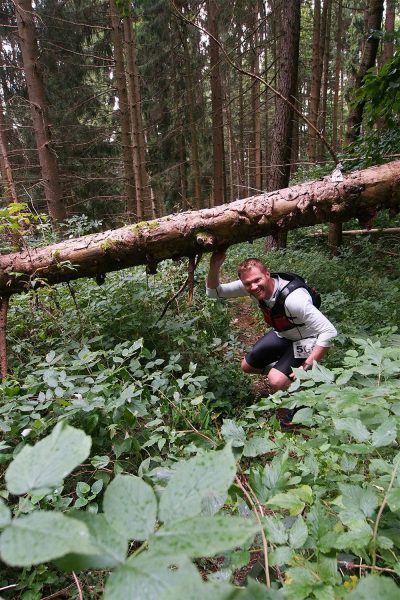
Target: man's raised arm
(216,289)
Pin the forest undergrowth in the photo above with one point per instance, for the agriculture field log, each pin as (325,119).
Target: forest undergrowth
(137,462)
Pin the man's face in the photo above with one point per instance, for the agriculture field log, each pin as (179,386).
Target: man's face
(257,282)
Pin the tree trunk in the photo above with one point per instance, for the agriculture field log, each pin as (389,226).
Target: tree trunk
(194,144)
(217,108)
(143,199)
(38,103)
(368,57)
(288,61)
(325,78)
(255,101)
(187,234)
(123,109)
(5,166)
(315,80)
(336,140)
(388,46)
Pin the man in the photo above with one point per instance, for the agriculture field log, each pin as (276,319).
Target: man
(301,334)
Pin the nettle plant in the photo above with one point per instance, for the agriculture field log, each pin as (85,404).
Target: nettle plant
(161,528)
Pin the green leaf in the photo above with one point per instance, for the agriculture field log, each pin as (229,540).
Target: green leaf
(149,576)
(109,547)
(393,499)
(5,514)
(281,556)
(298,533)
(202,536)
(43,536)
(257,445)
(130,507)
(275,530)
(385,434)
(353,426)
(304,416)
(45,464)
(204,476)
(233,433)
(373,587)
(355,539)
(355,497)
(288,501)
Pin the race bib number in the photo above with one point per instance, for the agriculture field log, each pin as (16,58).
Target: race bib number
(303,348)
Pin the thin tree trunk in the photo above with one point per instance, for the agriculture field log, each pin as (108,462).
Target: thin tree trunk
(368,57)
(315,80)
(144,210)
(38,103)
(5,166)
(388,46)
(217,108)
(190,233)
(123,109)
(338,67)
(194,144)
(325,78)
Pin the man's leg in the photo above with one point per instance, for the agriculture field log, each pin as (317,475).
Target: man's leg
(265,352)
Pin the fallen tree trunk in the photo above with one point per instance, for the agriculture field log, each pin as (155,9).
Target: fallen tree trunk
(190,233)
(350,232)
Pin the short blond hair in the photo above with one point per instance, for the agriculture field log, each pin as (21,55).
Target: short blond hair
(250,263)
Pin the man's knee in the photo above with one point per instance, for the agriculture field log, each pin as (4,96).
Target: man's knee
(248,368)
(278,380)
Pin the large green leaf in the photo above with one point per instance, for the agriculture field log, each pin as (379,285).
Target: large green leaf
(275,530)
(393,499)
(130,507)
(204,476)
(45,464)
(202,536)
(43,536)
(149,577)
(110,548)
(257,445)
(233,433)
(5,514)
(374,587)
(298,533)
(385,434)
(354,427)
(355,497)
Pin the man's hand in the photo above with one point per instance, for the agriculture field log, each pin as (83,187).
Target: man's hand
(217,259)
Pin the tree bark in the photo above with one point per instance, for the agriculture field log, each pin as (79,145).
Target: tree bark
(123,109)
(143,199)
(5,166)
(368,57)
(288,62)
(336,140)
(325,77)
(217,108)
(190,233)
(38,103)
(316,74)
(388,46)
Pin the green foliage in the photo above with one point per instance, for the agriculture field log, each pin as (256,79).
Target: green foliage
(174,429)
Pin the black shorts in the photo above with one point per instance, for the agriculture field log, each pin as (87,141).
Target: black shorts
(270,349)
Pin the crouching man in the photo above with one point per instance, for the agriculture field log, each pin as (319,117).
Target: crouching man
(300,333)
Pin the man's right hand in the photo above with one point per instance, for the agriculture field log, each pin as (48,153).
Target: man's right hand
(217,259)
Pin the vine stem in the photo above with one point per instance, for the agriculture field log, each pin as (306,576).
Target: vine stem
(78,585)
(379,515)
(264,539)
